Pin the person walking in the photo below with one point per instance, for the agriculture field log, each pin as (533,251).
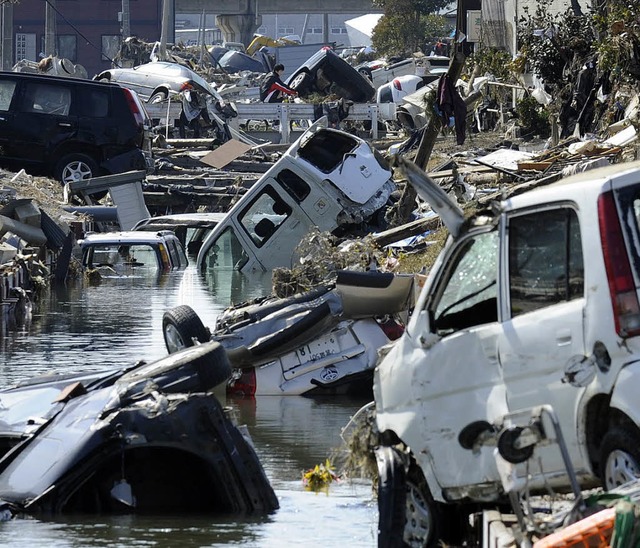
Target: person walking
(273,89)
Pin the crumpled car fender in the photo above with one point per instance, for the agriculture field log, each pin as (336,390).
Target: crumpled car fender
(625,394)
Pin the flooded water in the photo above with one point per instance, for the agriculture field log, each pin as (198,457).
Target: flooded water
(118,323)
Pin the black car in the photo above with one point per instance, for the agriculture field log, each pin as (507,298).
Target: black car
(327,73)
(70,128)
(152,438)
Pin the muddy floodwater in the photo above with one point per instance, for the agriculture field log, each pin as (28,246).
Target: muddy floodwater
(101,327)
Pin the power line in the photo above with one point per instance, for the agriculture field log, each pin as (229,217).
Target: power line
(78,31)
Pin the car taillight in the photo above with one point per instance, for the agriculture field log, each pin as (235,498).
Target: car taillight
(397,84)
(166,262)
(624,297)
(245,385)
(138,115)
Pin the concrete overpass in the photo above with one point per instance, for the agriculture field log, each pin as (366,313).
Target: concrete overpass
(239,19)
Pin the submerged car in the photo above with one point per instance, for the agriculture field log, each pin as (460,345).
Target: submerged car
(155,81)
(533,303)
(321,342)
(327,73)
(133,251)
(190,228)
(152,438)
(327,180)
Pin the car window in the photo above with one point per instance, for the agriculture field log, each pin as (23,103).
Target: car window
(265,214)
(94,103)
(545,260)
(468,294)
(326,150)
(7,87)
(178,258)
(119,256)
(47,99)
(226,252)
(294,184)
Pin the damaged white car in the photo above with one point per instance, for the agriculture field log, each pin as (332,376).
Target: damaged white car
(532,304)
(328,179)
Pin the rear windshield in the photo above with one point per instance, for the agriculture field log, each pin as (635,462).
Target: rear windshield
(629,203)
(326,150)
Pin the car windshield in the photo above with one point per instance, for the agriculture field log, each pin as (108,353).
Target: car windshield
(469,296)
(121,257)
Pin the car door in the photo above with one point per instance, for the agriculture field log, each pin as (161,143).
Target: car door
(543,332)
(275,224)
(456,375)
(44,119)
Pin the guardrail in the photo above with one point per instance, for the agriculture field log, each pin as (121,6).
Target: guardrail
(167,114)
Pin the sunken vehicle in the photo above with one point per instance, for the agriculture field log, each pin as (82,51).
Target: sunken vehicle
(328,180)
(152,438)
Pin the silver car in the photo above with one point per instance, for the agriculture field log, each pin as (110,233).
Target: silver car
(155,81)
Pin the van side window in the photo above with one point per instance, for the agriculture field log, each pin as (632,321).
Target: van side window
(265,214)
(545,260)
(7,87)
(226,253)
(94,103)
(47,99)
(469,294)
(294,184)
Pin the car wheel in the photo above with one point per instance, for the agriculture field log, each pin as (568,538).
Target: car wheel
(302,83)
(198,368)
(76,167)
(366,73)
(158,97)
(620,457)
(408,515)
(180,326)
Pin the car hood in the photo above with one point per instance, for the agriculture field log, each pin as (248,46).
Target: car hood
(449,211)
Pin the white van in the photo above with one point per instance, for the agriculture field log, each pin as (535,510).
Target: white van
(328,179)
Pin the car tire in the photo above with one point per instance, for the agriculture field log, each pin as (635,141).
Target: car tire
(302,83)
(76,167)
(199,368)
(619,456)
(408,515)
(180,326)
(366,73)
(157,97)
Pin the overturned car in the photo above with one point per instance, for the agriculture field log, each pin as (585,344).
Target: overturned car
(320,342)
(149,439)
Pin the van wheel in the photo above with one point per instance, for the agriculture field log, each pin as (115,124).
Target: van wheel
(619,457)
(180,326)
(76,167)
(158,97)
(408,515)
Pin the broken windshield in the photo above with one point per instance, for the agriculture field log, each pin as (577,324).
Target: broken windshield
(469,296)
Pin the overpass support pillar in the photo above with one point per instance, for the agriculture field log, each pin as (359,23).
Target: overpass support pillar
(238,28)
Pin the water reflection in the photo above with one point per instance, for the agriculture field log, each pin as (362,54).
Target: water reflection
(118,322)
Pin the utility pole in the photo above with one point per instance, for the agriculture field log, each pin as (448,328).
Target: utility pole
(126,20)
(50,28)
(7,36)
(168,27)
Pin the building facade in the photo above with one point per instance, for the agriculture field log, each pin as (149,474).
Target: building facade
(88,33)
